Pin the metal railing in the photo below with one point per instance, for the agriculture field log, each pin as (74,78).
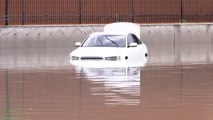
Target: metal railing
(23,12)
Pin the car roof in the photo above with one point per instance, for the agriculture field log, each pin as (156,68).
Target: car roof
(109,33)
(126,27)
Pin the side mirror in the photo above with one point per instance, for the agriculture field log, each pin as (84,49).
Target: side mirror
(78,44)
(133,45)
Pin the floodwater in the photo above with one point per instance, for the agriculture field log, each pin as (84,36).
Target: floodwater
(42,85)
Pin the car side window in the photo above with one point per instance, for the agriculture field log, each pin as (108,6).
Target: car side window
(131,38)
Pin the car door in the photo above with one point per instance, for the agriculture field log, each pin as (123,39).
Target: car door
(135,52)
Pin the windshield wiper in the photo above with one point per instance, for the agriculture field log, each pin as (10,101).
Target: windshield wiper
(112,41)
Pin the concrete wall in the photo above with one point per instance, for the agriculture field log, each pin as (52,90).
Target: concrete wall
(21,37)
(179,42)
(39,46)
(28,46)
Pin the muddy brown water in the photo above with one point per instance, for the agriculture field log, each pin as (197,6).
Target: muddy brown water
(47,90)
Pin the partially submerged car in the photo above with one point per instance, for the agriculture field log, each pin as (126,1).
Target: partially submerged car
(117,45)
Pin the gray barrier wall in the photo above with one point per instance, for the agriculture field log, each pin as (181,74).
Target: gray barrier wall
(178,42)
(29,46)
(21,37)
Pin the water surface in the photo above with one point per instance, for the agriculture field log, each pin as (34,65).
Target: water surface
(42,85)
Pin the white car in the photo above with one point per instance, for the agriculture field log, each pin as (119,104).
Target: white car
(117,45)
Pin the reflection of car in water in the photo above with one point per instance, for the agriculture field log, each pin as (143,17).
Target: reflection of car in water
(118,44)
(119,86)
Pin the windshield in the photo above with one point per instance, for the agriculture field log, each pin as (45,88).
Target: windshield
(105,41)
